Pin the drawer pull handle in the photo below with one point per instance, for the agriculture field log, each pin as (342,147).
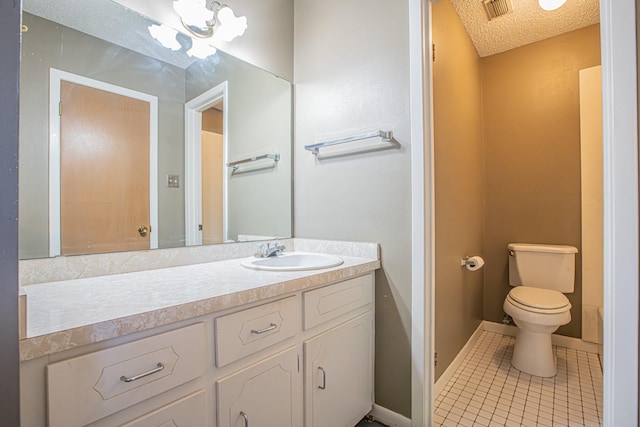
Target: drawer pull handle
(324,378)
(246,418)
(271,327)
(159,367)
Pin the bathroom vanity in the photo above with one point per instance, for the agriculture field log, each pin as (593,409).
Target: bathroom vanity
(212,344)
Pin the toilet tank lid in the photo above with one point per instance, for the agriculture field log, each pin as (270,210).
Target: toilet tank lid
(534,247)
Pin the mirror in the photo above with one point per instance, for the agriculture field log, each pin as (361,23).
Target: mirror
(102,47)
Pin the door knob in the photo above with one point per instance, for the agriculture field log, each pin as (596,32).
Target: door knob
(143,230)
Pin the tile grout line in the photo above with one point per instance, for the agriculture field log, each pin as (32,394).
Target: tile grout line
(486,390)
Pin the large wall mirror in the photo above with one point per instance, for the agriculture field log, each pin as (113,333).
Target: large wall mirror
(126,144)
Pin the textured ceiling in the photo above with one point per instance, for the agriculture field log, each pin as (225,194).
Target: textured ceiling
(528,23)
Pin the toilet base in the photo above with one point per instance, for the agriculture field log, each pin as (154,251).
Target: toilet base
(533,354)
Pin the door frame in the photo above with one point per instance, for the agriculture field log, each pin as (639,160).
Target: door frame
(422,217)
(55,78)
(193,160)
(620,200)
(620,191)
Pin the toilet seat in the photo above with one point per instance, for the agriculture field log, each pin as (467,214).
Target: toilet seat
(536,300)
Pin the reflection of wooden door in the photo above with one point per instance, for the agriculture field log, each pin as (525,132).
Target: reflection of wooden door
(104,164)
(212,144)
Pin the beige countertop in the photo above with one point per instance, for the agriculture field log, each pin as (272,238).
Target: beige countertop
(71,313)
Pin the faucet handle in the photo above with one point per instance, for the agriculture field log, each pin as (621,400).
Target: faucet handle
(262,250)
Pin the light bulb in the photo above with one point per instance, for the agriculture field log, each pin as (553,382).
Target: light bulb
(193,12)
(551,4)
(229,26)
(201,49)
(165,35)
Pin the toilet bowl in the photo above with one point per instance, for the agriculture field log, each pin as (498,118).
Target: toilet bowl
(540,275)
(537,313)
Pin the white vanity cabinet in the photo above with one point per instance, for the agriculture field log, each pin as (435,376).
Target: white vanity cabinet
(248,331)
(266,394)
(190,411)
(86,388)
(330,352)
(338,367)
(339,361)
(301,359)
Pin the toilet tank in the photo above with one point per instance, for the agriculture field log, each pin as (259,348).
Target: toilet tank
(542,266)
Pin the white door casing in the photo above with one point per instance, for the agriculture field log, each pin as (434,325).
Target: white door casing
(193,160)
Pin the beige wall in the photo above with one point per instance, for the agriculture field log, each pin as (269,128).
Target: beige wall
(458,183)
(532,155)
(352,75)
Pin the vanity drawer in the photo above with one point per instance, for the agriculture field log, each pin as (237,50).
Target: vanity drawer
(190,411)
(248,331)
(86,388)
(324,304)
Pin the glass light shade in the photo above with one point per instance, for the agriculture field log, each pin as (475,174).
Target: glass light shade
(201,49)
(193,12)
(165,35)
(551,4)
(229,26)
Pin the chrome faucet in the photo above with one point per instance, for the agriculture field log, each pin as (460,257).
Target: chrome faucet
(265,250)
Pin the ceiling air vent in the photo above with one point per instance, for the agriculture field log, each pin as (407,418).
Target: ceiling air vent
(497,8)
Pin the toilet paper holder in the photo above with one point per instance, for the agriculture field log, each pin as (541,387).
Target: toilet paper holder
(467,261)
(472,262)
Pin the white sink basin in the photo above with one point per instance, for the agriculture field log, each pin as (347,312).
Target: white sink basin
(292,261)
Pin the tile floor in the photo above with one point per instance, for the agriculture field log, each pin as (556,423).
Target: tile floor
(487,391)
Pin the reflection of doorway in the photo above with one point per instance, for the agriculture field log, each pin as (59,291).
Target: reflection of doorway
(591,201)
(103,150)
(212,174)
(205,181)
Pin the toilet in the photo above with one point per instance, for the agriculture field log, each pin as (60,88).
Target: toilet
(540,276)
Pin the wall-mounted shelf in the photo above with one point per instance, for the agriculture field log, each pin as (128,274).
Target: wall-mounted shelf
(237,163)
(386,136)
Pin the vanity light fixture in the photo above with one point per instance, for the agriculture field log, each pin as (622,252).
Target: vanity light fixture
(551,4)
(205,18)
(165,35)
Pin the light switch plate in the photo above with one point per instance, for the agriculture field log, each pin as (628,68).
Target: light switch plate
(173,181)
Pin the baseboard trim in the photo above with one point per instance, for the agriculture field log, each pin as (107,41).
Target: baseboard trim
(559,340)
(499,328)
(388,417)
(457,361)
(574,343)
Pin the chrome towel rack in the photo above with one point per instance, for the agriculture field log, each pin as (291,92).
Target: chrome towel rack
(387,136)
(237,163)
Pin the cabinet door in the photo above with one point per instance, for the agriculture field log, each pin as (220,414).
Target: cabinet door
(267,394)
(189,411)
(339,374)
